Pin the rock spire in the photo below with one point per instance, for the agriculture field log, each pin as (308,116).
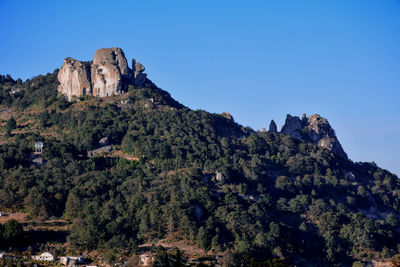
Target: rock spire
(272,127)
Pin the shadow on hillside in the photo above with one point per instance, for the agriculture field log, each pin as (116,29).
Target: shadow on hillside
(38,237)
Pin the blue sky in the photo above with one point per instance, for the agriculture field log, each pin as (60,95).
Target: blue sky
(258,60)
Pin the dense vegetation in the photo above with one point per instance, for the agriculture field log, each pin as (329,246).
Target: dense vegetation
(279,197)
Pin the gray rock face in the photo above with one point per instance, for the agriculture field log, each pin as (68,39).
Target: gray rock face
(138,77)
(292,127)
(108,74)
(314,129)
(108,69)
(272,127)
(320,132)
(74,78)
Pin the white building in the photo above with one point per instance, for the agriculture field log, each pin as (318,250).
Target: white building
(38,147)
(45,256)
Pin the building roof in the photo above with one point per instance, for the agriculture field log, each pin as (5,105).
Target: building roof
(46,254)
(38,144)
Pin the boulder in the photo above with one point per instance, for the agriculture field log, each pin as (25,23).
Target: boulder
(74,78)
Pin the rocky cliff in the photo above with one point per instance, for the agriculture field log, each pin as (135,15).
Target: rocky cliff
(74,78)
(109,69)
(314,129)
(108,74)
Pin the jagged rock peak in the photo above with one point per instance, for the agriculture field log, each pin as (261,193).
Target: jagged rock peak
(272,127)
(314,129)
(108,74)
(292,126)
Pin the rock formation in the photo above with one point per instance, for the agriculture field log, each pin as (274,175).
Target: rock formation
(292,127)
(108,74)
(109,68)
(314,129)
(138,77)
(74,78)
(228,116)
(272,127)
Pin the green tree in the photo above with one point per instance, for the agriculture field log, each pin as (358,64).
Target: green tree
(11,125)
(13,232)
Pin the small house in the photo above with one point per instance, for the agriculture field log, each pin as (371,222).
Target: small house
(38,147)
(2,213)
(45,256)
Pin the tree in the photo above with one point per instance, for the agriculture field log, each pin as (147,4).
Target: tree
(202,238)
(284,183)
(13,232)
(72,206)
(229,258)
(11,125)
(391,220)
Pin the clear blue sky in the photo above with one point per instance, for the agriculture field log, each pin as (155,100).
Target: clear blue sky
(258,60)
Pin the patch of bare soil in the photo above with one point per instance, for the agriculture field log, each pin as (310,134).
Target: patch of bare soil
(381,263)
(18,216)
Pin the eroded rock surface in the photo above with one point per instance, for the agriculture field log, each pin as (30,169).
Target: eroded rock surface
(74,78)
(138,77)
(109,68)
(292,126)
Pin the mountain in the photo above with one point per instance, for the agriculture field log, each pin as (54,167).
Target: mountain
(131,166)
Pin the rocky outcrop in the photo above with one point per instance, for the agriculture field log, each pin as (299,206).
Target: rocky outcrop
(108,74)
(109,68)
(138,77)
(272,127)
(314,129)
(228,116)
(292,126)
(74,78)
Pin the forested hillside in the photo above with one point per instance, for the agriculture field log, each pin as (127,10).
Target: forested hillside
(253,196)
